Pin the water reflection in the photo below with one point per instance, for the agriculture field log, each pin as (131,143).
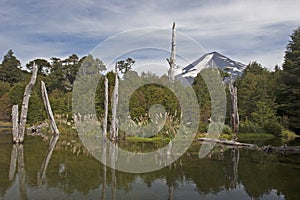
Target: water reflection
(42,173)
(17,159)
(224,174)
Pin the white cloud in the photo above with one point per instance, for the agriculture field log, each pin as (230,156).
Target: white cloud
(241,29)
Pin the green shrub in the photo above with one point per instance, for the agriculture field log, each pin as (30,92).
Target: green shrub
(287,134)
(203,127)
(226,136)
(249,127)
(273,128)
(227,130)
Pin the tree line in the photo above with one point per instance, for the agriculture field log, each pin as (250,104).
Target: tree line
(268,101)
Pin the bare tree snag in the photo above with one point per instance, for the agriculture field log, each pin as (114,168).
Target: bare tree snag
(172,60)
(49,110)
(105,108)
(234,108)
(114,123)
(15,123)
(24,110)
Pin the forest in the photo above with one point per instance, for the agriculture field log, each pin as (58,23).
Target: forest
(268,101)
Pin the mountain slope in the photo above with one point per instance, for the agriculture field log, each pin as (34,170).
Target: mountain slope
(213,59)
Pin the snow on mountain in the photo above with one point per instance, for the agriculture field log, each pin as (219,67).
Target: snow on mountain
(213,59)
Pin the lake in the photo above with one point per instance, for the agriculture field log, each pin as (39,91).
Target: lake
(71,173)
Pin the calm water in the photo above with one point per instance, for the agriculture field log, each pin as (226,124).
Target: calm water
(73,174)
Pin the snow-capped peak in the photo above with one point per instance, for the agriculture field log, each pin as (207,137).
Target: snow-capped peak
(214,59)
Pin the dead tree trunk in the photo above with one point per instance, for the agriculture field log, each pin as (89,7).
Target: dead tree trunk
(24,110)
(114,123)
(105,108)
(234,109)
(172,59)
(49,110)
(15,123)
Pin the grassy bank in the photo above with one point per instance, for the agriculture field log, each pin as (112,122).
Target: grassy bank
(255,136)
(142,139)
(5,123)
(243,136)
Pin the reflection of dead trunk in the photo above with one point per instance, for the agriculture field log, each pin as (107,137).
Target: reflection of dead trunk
(105,108)
(17,158)
(171,181)
(113,172)
(48,109)
(24,109)
(235,165)
(21,172)
(42,172)
(171,192)
(13,163)
(104,171)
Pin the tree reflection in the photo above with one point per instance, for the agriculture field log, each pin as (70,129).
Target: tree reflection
(235,157)
(42,172)
(113,172)
(103,194)
(17,159)
(225,170)
(13,163)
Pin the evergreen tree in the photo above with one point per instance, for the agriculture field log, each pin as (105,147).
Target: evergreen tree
(87,79)
(4,88)
(63,72)
(256,97)
(125,65)
(10,68)
(252,80)
(44,66)
(56,77)
(289,96)
(70,67)
(204,100)
(36,109)
(5,107)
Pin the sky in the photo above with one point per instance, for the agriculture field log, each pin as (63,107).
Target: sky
(244,31)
